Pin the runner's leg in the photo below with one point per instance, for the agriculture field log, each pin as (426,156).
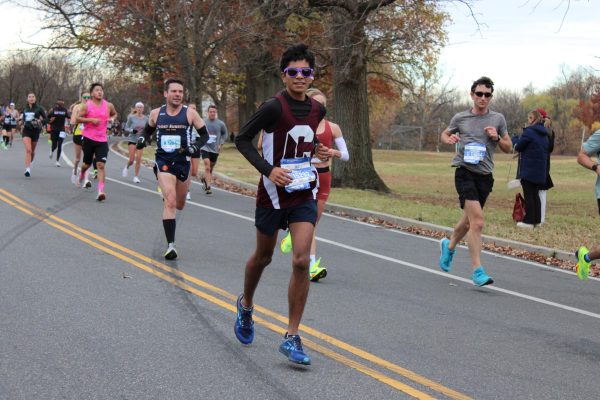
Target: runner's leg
(302,233)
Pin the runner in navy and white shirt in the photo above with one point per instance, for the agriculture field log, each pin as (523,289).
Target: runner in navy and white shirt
(173,124)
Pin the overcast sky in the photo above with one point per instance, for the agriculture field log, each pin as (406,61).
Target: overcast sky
(519,41)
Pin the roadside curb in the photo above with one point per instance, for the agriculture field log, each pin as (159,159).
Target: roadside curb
(400,222)
(407,222)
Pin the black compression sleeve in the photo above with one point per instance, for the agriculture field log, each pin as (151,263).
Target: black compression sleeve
(202,136)
(148,131)
(266,116)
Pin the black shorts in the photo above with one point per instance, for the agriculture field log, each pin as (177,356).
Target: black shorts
(78,139)
(211,156)
(92,148)
(7,128)
(472,186)
(181,169)
(33,134)
(269,220)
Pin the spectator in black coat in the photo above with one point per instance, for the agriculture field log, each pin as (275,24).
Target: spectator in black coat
(533,146)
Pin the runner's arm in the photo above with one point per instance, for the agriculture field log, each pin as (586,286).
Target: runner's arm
(340,143)
(268,113)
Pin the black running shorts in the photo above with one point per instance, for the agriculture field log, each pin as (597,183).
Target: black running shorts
(269,220)
(33,134)
(93,148)
(78,139)
(181,169)
(210,155)
(472,186)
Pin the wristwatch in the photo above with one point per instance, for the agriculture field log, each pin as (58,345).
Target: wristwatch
(595,167)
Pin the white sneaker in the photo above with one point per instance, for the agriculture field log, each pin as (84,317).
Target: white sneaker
(101,196)
(74,179)
(124,172)
(87,183)
(136,179)
(171,252)
(524,225)
(58,164)
(51,155)
(188,196)
(27,173)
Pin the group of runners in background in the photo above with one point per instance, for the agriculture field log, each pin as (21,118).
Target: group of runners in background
(293,157)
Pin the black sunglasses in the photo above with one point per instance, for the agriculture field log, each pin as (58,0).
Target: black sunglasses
(486,94)
(293,72)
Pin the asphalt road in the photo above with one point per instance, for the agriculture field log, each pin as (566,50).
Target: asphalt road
(89,309)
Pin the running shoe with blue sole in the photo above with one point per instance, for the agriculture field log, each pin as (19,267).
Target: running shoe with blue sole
(446,255)
(480,278)
(244,325)
(583,267)
(292,349)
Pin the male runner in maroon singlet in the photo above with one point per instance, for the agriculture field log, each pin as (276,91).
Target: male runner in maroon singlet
(285,198)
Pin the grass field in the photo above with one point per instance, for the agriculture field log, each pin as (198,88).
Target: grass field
(422,185)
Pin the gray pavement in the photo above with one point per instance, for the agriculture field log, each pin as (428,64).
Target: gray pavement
(91,310)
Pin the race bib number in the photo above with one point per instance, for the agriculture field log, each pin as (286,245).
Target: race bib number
(62,134)
(302,174)
(212,139)
(29,116)
(170,143)
(474,152)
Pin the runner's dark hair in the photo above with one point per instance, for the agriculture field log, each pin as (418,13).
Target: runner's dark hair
(297,52)
(485,81)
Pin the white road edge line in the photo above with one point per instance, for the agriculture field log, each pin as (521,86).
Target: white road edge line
(386,258)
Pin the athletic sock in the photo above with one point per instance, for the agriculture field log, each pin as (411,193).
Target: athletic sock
(169,225)
(313,258)
(101,186)
(586,257)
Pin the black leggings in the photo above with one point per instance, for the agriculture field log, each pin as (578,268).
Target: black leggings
(57,142)
(533,206)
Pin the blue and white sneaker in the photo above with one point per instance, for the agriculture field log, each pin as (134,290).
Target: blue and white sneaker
(244,325)
(446,255)
(292,349)
(480,278)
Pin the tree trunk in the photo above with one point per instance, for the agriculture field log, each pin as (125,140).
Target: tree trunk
(262,81)
(350,105)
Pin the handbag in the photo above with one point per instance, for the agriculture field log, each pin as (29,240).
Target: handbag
(518,214)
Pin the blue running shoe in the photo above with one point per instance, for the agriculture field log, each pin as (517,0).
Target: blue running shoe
(480,278)
(446,255)
(244,325)
(292,349)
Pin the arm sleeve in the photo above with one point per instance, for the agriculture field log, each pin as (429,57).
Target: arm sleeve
(148,131)
(129,124)
(224,133)
(268,113)
(340,143)
(202,136)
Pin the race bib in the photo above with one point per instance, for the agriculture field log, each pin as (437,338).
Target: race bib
(302,174)
(62,134)
(29,116)
(474,152)
(170,143)
(212,139)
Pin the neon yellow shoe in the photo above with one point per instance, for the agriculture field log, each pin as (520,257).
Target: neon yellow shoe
(583,267)
(286,243)
(316,272)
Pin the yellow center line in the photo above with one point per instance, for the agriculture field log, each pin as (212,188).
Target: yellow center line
(48,218)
